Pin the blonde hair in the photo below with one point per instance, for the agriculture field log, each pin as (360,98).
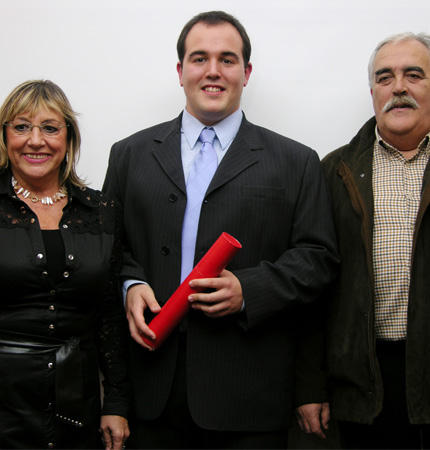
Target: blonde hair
(30,97)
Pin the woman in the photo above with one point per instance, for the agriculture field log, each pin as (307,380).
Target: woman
(60,313)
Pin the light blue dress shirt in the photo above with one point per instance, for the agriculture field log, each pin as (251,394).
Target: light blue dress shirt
(225,130)
(191,128)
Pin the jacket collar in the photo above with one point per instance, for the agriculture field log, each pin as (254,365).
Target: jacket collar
(243,153)
(82,194)
(355,168)
(360,150)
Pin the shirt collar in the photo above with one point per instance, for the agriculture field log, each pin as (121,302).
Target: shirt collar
(225,130)
(81,194)
(424,144)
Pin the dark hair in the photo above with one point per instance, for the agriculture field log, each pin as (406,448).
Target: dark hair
(214,18)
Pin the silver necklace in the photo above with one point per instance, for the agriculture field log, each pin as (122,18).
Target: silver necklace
(34,198)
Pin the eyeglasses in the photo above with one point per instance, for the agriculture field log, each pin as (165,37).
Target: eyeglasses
(22,128)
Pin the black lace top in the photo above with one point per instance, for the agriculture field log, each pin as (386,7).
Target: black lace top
(82,298)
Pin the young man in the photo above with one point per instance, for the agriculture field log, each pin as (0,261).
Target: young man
(224,379)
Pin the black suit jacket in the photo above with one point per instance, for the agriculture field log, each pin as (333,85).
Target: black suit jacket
(268,192)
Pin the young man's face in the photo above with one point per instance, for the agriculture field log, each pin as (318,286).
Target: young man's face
(213,71)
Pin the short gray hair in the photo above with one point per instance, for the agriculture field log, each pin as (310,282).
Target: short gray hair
(407,36)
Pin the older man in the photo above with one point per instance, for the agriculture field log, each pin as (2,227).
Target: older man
(378,335)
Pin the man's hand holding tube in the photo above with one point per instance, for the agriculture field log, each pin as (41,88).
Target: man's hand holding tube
(225,296)
(139,298)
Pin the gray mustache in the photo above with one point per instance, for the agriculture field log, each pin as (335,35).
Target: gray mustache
(401,100)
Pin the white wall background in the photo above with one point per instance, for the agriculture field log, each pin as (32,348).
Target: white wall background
(116,62)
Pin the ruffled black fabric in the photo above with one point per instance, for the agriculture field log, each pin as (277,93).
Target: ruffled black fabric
(83,301)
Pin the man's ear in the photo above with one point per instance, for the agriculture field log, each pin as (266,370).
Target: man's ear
(179,70)
(248,70)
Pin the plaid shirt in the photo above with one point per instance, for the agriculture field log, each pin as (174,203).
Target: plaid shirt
(397,184)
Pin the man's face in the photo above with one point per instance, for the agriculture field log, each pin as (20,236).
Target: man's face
(213,72)
(402,71)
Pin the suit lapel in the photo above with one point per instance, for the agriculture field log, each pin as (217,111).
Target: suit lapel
(241,155)
(167,151)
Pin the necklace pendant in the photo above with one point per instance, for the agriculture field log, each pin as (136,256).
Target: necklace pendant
(34,198)
(47,201)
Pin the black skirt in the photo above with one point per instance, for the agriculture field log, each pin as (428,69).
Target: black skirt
(44,400)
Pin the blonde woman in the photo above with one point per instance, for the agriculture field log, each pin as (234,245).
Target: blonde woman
(60,314)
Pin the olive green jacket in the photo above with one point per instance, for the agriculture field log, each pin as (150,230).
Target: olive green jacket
(354,379)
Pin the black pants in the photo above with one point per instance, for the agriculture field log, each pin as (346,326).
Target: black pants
(177,429)
(391,429)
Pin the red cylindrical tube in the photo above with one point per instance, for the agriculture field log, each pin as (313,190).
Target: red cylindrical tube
(177,307)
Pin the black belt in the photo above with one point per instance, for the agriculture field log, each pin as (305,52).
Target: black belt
(68,369)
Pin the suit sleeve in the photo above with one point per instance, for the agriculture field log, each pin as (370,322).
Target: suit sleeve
(309,263)
(309,369)
(114,186)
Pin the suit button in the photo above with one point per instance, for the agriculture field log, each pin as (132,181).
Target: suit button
(165,250)
(173,198)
